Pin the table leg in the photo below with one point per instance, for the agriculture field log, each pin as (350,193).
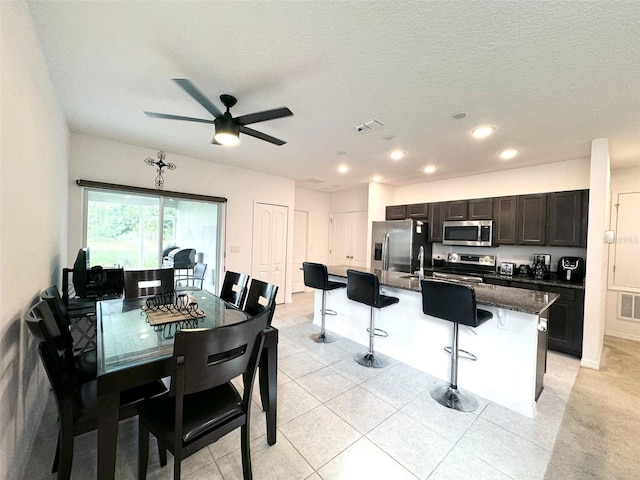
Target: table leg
(268,379)
(108,411)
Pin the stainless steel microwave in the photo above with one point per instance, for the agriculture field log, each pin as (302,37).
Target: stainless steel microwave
(470,233)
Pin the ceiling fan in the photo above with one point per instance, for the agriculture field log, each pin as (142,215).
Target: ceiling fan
(227,127)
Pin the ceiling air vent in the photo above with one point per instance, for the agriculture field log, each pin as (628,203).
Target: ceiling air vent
(314,180)
(368,125)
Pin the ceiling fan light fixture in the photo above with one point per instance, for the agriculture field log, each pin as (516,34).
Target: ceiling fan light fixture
(227,132)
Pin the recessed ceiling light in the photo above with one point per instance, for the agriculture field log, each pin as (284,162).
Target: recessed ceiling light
(397,154)
(508,154)
(482,132)
(343,168)
(341,152)
(429,169)
(460,115)
(376,178)
(388,138)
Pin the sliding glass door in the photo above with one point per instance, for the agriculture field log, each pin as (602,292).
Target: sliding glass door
(133,230)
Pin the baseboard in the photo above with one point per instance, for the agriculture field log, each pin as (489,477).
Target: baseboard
(594,365)
(626,336)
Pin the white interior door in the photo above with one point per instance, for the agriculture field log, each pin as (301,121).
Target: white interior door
(626,259)
(300,239)
(270,245)
(349,239)
(339,239)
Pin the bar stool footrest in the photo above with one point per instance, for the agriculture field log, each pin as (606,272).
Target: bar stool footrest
(462,354)
(328,311)
(378,332)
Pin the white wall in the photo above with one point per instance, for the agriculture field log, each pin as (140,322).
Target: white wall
(622,181)
(97,159)
(555,177)
(596,278)
(350,201)
(318,205)
(33,205)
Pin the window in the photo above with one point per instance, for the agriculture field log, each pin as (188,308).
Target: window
(124,228)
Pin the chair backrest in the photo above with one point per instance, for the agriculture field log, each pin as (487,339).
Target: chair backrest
(261,297)
(234,288)
(44,328)
(52,296)
(315,275)
(141,283)
(206,358)
(363,287)
(198,273)
(454,302)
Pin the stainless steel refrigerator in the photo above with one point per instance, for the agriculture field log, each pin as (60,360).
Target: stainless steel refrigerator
(396,245)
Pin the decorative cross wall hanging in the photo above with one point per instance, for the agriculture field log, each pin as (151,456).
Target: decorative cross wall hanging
(160,164)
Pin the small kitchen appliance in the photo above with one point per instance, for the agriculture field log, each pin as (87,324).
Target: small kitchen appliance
(571,269)
(507,268)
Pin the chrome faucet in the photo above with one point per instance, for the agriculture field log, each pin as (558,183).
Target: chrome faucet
(421,260)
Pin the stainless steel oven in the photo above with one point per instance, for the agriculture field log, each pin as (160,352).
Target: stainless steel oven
(470,233)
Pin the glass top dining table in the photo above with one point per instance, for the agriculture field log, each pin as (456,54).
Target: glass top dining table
(126,338)
(131,352)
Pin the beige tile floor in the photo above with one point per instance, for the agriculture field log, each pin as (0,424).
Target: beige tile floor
(338,420)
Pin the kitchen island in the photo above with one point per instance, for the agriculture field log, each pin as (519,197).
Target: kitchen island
(511,347)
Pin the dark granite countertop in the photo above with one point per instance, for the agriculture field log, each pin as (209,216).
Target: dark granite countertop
(517,299)
(552,281)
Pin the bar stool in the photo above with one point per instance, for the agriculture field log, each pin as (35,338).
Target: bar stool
(365,288)
(455,303)
(316,276)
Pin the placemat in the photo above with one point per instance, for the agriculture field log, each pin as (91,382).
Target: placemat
(160,317)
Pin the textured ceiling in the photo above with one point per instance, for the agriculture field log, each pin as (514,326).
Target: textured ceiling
(551,76)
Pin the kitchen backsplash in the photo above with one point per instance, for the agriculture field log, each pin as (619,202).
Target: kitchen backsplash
(518,254)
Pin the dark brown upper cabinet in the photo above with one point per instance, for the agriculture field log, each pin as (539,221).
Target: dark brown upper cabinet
(564,218)
(396,212)
(585,218)
(418,210)
(480,209)
(456,210)
(504,220)
(436,218)
(531,219)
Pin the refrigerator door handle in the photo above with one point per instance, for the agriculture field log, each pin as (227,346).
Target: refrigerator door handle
(385,252)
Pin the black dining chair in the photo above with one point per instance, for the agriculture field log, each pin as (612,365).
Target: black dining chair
(142,283)
(203,405)
(261,297)
(82,320)
(76,397)
(45,328)
(234,288)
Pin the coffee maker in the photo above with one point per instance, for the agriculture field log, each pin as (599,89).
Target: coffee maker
(571,269)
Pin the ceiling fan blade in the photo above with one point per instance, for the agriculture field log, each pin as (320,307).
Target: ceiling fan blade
(177,117)
(198,96)
(264,116)
(262,136)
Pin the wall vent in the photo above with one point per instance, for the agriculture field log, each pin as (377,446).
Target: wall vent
(629,306)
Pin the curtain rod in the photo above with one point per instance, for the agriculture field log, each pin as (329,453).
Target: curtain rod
(149,191)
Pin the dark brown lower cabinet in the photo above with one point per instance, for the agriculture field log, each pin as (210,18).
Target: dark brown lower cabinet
(566,315)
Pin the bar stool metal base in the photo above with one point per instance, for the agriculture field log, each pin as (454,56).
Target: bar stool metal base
(445,394)
(322,337)
(371,360)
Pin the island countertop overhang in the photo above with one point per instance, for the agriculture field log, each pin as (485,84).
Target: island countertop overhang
(516,299)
